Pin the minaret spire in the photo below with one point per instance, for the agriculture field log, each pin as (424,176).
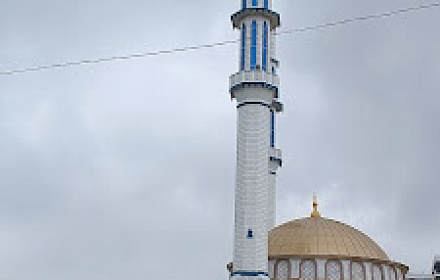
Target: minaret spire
(255,87)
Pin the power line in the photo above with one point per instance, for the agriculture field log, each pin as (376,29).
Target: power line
(218,44)
(361,18)
(115,58)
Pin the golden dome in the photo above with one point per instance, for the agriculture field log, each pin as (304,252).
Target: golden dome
(315,237)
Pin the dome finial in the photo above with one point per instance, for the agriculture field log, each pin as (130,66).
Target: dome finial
(315,212)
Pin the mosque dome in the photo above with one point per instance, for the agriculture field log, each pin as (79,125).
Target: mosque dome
(321,237)
(320,248)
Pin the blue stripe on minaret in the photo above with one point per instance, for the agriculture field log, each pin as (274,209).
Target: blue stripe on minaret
(244,4)
(272,128)
(266,4)
(265,46)
(243,47)
(255,3)
(254,46)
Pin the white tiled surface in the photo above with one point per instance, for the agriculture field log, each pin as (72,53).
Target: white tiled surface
(377,272)
(251,199)
(271,268)
(321,268)
(368,270)
(346,269)
(399,275)
(271,219)
(294,268)
(253,210)
(391,273)
(273,45)
(385,272)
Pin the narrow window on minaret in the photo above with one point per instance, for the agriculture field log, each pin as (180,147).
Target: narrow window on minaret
(265,46)
(243,47)
(272,128)
(255,3)
(254,46)
(250,234)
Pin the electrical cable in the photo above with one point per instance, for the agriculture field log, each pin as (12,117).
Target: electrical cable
(361,18)
(218,44)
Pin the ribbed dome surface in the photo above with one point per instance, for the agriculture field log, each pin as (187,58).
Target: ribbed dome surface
(321,237)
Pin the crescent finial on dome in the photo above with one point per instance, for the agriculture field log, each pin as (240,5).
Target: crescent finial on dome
(315,212)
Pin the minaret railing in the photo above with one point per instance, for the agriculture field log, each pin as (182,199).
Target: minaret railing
(254,76)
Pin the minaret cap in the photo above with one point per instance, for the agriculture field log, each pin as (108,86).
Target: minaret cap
(315,212)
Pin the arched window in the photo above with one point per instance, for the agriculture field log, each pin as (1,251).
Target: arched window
(307,270)
(282,270)
(243,47)
(254,45)
(357,271)
(254,3)
(265,35)
(377,273)
(333,270)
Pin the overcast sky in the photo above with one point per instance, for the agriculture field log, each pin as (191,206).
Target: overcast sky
(125,170)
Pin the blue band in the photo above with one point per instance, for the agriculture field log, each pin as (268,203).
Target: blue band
(250,273)
(254,103)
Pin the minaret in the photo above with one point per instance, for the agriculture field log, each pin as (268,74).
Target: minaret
(256,88)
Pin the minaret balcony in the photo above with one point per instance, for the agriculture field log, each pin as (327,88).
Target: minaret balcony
(271,15)
(254,77)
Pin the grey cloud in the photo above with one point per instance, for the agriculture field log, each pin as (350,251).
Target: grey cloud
(125,170)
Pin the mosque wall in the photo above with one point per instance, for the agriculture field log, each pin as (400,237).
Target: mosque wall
(333,269)
(368,268)
(271,267)
(320,265)
(346,269)
(294,268)
(385,271)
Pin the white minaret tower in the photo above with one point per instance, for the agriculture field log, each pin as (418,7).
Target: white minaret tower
(256,88)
